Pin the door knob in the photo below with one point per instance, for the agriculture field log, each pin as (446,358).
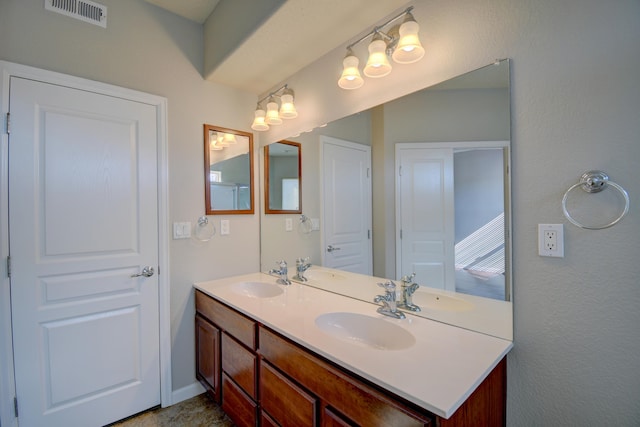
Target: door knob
(330,248)
(146,272)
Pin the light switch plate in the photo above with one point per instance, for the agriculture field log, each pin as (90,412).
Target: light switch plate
(181,230)
(288,224)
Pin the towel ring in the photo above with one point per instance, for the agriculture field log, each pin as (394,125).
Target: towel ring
(205,229)
(594,182)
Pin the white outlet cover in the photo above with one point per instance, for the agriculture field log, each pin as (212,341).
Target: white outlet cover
(225,227)
(558,252)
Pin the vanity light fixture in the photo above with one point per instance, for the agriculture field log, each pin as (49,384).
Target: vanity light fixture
(401,43)
(274,115)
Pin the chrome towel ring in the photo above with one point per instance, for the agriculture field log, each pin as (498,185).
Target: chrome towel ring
(594,182)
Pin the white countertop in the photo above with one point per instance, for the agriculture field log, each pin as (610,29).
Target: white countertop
(439,372)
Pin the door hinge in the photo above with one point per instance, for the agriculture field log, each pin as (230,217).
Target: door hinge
(368,171)
(8,125)
(399,170)
(15,406)
(369,234)
(400,233)
(8,266)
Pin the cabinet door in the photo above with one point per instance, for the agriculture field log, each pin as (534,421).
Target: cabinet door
(208,356)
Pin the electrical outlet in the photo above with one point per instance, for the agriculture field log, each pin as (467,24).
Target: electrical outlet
(551,240)
(288,224)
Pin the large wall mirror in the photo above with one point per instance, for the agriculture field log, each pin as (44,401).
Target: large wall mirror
(282,178)
(228,171)
(463,126)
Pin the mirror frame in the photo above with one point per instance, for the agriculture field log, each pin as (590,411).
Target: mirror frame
(267,208)
(207,168)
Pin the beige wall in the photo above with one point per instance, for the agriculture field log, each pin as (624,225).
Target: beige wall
(147,49)
(575,104)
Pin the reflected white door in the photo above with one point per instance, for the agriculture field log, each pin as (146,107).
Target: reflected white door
(346,205)
(83,215)
(425,216)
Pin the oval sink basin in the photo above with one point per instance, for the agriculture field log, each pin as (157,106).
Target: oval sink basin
(365,331)
(257,289)
(433,301)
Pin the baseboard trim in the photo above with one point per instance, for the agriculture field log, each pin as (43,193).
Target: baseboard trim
(187,392)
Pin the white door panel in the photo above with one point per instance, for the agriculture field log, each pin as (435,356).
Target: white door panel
(83,215)
(426,218)
(346,206)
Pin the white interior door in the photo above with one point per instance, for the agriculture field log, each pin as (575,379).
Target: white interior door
(426,216)
(346,205)
(83,219)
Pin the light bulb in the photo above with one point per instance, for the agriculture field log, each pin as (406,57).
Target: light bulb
(287,109)
(272,113)
(229,138)
(409,48)
(258,121)
(350,78)
(378,64)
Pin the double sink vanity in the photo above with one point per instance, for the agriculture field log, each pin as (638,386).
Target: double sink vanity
(297,355)
(335,348)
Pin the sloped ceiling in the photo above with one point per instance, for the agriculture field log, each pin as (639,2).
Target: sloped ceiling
(288,39)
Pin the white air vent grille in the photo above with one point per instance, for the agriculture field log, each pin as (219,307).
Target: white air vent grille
(83,10)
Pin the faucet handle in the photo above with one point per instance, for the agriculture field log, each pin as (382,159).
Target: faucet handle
(389,286)
(408,278)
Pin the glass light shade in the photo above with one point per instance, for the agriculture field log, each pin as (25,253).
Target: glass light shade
(287,109)
(350,78)
(273,118)
(258,121)
(409,48)
(220,142)
(229,138)
(213,145)
(378,64)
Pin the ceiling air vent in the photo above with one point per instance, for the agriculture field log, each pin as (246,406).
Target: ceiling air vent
(83,10)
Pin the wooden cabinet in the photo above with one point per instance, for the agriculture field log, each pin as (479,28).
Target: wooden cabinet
(284,401)
(208,357)
(231,363)
(266,379)
(356,402)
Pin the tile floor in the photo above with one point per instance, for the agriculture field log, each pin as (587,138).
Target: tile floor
(198,411)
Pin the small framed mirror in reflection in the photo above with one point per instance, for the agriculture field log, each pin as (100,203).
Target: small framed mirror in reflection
(228,171)
(283,178)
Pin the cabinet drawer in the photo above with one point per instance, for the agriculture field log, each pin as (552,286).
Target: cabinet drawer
(266,420)
(357,401)
(227,319)
(331,419)
(284,401)
(239,364)
(237,405)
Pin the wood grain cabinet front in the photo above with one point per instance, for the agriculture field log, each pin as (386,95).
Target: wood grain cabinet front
(284,401)
(208,357)
(357,402)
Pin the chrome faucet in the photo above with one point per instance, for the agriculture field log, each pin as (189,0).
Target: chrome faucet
(407,288)
(388,301)
(282,273)
(302,265)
